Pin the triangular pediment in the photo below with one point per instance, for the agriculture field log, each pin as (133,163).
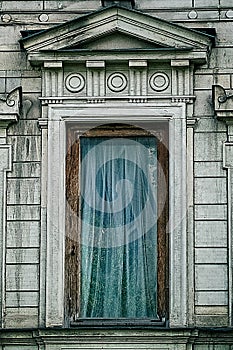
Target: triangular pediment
(116,28)
(114,41)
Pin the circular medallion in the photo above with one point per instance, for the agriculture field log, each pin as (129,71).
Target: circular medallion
(6,18)
(75,82)
(43,17)
(192,14)
(229,14)
(117,82)
(159,81)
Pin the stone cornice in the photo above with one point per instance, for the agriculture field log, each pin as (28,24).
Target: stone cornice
(162,55)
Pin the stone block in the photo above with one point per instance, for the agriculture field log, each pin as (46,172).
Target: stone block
(211,234)
(211,321)
(22,277)
(211,212)
(207,169)
(23,212)
(30,169)
(211,298)
(25,317)
(12,60)
(23,191)
(203,105)
(206,3)
(160,4)
(211,277)
(21,5)
(210,125)
(87,5)
(25,148)
(208,146)
(221,57)
(23,233)
(211,310)
(22,256)
(24,127)
(211,255)
(210,191)
(30,85)
(22,299)
(203,81)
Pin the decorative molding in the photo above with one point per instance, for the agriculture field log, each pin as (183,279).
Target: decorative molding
(138,80)
(52,79)
(10,107)
(116,19)
(191,122)
(185,99)
(53,64)
(138,63)
(223,103)
(113,85)
(51,100)
(95,64)
(159,81)
(92,115)
(117,82)
(179,63)
(182,78)
(43,123)
(95,100)
(75,82)
(95,79)
(137,100)
(123,98)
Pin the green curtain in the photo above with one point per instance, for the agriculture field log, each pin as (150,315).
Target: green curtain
(118,227)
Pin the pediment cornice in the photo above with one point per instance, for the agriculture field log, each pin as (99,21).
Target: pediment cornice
(79,36)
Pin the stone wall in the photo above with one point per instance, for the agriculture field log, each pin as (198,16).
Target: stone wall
(209,243)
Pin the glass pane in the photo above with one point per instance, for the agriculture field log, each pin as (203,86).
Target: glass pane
(118,227)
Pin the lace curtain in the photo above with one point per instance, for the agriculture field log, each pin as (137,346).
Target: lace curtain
(118,227)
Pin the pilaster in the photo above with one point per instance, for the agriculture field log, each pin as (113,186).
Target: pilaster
(9,112)
(43,123)
(223,105)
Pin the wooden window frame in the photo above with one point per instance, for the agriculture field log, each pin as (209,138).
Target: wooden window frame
(72,248)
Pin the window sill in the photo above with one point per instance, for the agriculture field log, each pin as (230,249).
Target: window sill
(119,323)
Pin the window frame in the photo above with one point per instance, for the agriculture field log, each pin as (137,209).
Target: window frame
(53,192)
(72,247)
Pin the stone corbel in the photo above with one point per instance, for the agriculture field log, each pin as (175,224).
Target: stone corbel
(223,103)
(10,107)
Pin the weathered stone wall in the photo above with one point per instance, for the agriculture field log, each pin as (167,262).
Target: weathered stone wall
(210,281)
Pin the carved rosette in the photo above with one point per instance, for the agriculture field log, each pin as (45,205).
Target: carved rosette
(133,82)
(75,82)
(117,82)
(137,81)
(159,81)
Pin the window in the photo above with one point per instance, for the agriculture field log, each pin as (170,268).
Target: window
(116,257)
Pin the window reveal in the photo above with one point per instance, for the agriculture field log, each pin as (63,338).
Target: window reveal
(112,251)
